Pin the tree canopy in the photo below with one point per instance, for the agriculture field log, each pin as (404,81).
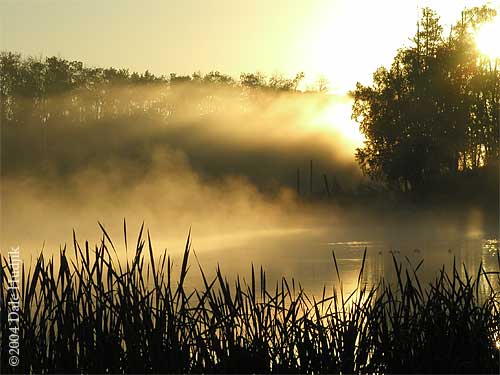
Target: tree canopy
(434,112)
(44,90)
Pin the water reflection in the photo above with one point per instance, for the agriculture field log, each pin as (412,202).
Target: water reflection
(314,268)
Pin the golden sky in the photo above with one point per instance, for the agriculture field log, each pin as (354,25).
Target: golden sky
(345,40)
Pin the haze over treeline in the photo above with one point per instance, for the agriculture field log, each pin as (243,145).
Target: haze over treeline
(83,137)
(85,144)
(65,116)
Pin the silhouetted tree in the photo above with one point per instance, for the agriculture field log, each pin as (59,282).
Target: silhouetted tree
(434,112)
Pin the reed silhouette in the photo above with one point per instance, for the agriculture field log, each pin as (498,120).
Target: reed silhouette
(94,313)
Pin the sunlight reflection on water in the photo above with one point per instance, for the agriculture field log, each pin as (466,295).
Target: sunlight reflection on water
(315,268)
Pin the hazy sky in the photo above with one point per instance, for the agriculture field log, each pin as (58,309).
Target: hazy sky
(346,40)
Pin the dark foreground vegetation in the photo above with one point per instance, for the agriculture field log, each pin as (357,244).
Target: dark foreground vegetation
(89,312)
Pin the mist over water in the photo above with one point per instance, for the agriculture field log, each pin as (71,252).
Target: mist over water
(221,172)
(231,176)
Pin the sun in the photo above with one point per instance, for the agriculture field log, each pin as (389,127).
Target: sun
(336,118)
(487,39)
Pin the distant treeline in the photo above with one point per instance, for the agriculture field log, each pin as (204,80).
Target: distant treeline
(36,90)
(433,114)
(60,117)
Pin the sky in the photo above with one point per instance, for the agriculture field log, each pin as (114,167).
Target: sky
(343,40)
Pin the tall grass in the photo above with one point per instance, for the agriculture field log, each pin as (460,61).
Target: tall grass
(95,314)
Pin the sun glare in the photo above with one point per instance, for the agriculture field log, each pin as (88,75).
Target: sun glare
(487,39)
(337,118)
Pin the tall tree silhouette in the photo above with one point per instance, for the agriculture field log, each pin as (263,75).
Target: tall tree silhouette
(434,112)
